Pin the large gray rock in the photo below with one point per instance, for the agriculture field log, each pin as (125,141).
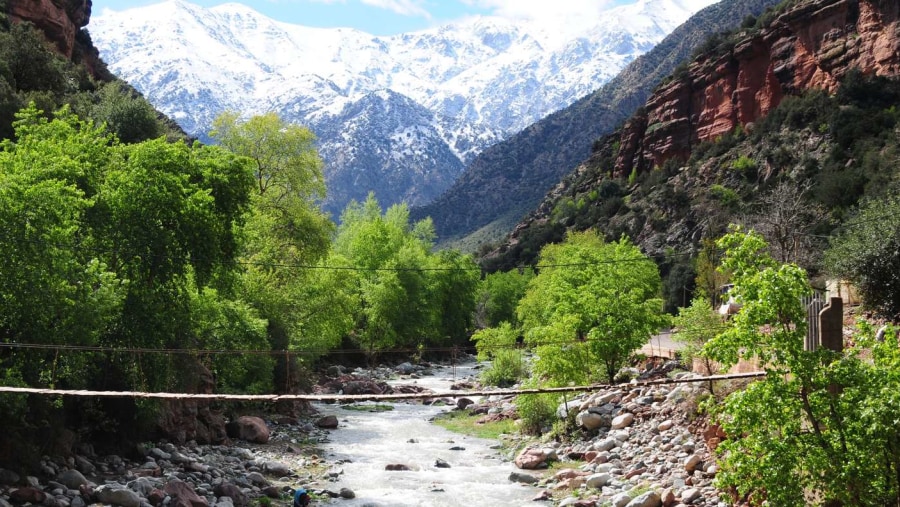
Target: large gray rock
(117,495)
(589,420)
(71,479)
(277,468)
(523,478)
(620,500)
(597,481)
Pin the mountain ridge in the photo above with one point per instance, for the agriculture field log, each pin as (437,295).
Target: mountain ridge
(509,179)
(483,78)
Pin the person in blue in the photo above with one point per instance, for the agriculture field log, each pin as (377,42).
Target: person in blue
(301,498)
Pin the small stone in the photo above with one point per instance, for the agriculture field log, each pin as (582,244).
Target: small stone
(522,478)
(665,425)
(692,462)
(620,500)
(396,467)
(347,494)
(439,463)
(648,499)
(622,421)
(689,495)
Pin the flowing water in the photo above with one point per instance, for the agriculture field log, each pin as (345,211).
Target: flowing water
(371,440)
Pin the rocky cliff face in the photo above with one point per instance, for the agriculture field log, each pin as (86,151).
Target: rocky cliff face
(812,45)
(60,20)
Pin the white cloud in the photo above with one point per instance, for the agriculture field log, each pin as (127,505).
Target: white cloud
(402,7)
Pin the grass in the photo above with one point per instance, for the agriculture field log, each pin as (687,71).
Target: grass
(459,421)
(378,407)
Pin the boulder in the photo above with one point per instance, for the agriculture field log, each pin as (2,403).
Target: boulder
(277,468)
(28,494)
(532,458)
(648,499)
(117,495)
(249,428)
(597,481)
(396,467)
(328,422)
(590,420)
(71,479)
(183,495)
(523,478)
(622,421)
(228,490)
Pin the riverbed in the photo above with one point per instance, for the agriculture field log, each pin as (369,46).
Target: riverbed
(365,443)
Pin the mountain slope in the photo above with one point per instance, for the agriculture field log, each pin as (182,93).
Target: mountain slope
(482,79)
(509,179)
(783,127)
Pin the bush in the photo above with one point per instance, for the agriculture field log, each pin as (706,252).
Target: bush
(507,368)
(536,411)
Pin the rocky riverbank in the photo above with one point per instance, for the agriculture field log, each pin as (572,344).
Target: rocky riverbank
(634,447)
(637,447)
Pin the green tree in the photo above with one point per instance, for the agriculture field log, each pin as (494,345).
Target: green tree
(867,252)
(592,303)
(821,424)
(409,296)
(499,295)
(709,277)
(694,327)
(126,114)
(287,239)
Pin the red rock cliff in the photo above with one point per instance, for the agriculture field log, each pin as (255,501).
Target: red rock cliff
(60,20)
(813,45)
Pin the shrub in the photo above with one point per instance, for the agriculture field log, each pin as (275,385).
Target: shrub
(507,368)
(536,411)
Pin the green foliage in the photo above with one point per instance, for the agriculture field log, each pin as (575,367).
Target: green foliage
(821,424)
(867,252)
(114,245)
(460,421)
(126,114)
(695,326)
(592,303)
(499,294)
(728,197)
(537,412)
(222,324)
(408,295)
(507,368)
(744,164)
(493,339)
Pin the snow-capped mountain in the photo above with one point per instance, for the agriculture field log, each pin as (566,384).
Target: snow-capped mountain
(400,114)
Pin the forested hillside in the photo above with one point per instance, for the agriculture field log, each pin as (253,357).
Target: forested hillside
(685,166)
(509,179)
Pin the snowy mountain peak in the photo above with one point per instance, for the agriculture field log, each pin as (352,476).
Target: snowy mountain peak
(467,84)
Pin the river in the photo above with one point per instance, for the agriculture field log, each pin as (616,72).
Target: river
(369,441)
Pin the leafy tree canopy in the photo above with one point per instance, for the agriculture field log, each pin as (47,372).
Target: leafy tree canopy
(591,303)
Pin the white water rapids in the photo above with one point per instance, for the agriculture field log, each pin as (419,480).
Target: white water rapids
(477,475)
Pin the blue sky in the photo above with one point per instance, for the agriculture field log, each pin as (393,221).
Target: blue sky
(388,17)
